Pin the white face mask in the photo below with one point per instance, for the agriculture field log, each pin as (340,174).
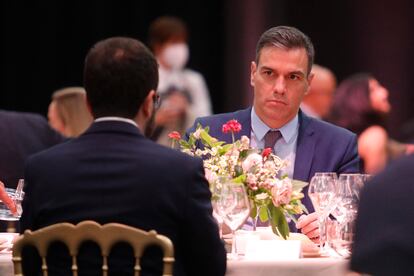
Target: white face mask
(175,55)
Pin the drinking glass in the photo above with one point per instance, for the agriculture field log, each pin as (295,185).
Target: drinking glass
(215,188)
(322,191)
(349,186)
(15,195)
(234,207)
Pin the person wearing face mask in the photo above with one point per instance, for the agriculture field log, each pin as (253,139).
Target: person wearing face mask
(184,93)
(361,105)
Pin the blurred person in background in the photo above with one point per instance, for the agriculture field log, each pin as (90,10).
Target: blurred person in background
(318,101)
(361,105)
(68,112)
(184,93)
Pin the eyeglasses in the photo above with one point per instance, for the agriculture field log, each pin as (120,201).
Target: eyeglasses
(157,100)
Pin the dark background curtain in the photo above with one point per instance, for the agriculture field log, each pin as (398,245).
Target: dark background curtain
(44,43)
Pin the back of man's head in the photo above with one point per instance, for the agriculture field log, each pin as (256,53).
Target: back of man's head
(119,73)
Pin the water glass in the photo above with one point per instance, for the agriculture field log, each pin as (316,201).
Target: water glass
(5,213)
(234,207)
(322,192)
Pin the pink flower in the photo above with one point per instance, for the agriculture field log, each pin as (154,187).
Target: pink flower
(174,135)
(231,126)
(281,192)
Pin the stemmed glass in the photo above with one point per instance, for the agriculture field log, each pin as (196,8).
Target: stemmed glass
(349,186)
(215,196)
(322,190)
(234,207)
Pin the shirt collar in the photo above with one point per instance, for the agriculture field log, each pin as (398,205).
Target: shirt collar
(114,118)
(260,129)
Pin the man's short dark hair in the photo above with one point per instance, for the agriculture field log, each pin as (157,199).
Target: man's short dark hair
(119,73)
(288,38)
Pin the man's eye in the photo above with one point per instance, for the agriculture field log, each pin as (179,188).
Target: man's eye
(268,73)
(293,77)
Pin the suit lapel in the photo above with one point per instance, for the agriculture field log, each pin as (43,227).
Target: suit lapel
(244,119)
(305,148)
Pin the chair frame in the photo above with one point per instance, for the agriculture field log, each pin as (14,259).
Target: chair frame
(104,235)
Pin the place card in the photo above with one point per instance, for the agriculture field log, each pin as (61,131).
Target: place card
(273,250)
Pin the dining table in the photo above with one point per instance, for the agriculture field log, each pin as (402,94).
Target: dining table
(322,266)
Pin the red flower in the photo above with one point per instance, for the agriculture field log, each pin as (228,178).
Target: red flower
(266,152)
(231,126)
(174,135)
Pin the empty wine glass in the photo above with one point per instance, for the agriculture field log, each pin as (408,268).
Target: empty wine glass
(234,207)
(215,188)
(349,186)
(322,190)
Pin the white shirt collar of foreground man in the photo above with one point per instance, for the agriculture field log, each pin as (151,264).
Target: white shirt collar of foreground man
(114,118)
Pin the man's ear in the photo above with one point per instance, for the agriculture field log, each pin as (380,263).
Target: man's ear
(148,104)
(253,68)
(310,78)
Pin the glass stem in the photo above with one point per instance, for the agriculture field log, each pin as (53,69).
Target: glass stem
(233,245)
(322,231)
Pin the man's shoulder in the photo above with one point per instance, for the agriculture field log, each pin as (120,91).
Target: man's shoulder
(17,116)
(327,129)
(223,117)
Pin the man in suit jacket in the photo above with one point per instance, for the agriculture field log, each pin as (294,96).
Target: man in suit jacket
(112,173)
(280,77)
(24,135)
(384,240)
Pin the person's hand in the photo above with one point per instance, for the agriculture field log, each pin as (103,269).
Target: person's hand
(6,199)
(308,225)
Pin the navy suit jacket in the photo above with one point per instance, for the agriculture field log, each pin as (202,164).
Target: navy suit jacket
(22,134)
(321,147)
(112,173)
(384,240)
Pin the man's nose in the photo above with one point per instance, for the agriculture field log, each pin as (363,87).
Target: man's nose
(280,85)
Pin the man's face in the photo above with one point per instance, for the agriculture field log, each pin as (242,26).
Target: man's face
(280,80)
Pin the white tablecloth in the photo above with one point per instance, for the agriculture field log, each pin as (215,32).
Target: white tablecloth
(6,264)
(304,266)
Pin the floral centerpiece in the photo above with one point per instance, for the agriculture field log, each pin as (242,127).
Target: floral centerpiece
(272,197)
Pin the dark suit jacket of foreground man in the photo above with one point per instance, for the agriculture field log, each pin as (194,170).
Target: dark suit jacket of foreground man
(321,147)
(23,134)
(112,173)
(384,239)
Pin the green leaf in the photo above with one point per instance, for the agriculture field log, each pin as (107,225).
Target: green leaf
(298,185)
(263,214)
(240,179)
(224,149)
(253,210)
(278,221)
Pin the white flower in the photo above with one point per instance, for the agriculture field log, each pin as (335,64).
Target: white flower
(262,196)
(253,159)
(197,133)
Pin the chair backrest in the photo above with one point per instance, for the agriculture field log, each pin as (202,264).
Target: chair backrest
(104,235)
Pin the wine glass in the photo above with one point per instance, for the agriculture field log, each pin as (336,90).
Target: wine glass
(215,188)
(234,207)
(349,186)
(322,190)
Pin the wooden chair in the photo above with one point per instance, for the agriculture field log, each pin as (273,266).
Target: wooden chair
(104,235)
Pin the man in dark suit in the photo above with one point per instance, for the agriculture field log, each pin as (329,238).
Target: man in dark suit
(384,240)
(281,76)
(24,135)
(112,173)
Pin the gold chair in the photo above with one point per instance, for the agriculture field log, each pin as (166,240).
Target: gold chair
(104,235)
